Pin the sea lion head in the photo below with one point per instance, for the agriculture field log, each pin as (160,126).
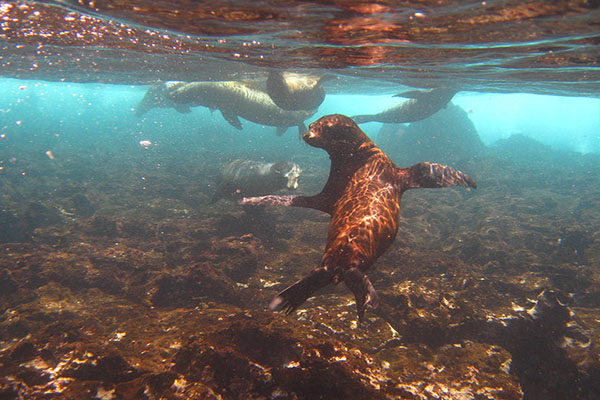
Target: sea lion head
(289,173)
(335,133)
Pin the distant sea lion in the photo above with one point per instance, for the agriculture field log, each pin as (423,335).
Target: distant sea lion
(240,178)
(422,104)
(156,97)
(294,92)
(233,99)
(362,195)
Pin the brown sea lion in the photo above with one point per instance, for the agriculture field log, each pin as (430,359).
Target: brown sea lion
(294,92)
(239,178)
(362,195)
(422,104)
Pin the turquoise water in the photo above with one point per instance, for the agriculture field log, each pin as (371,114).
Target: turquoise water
(43,114)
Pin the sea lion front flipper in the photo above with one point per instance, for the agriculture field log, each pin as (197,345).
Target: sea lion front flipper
(269,200)
(364,292)
(292,297)
(280,130)
(232,119)
(182,108)
(291,200)
(433,175)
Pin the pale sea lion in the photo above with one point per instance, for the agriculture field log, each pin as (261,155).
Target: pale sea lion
(296,91)
(422,104)
(156,97)
(240,178)
(233,99)
(362,195)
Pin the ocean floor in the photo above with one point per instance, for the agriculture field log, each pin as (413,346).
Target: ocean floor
(119,281)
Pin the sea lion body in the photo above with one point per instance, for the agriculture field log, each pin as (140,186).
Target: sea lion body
(295,92)
(362,195)
(422,104)
(234,99)
(240,178)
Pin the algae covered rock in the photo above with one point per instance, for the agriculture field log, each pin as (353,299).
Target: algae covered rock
(446,137)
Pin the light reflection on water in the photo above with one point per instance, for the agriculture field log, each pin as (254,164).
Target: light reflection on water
(507,46)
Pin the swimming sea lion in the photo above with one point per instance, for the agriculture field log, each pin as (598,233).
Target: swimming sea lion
(295,91)
(362,195)
(233,99)
(156,97)
(422,104)
(240,178)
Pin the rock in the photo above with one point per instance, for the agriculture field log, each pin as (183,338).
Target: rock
(23,352)
(82,206)
(14,229)
(38,215)
(446,137)
(7,284)
(249,359)
(100,225)
(110,369)
(200,283)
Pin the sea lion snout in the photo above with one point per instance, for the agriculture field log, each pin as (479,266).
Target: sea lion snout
(327,127)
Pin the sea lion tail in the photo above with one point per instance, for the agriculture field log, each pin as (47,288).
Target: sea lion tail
(325,78)
(292,297)
(154,97)
(361,119)
(433,175)
(364,292)
(301,129)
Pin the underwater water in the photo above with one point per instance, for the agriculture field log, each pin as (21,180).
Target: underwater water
(124,276)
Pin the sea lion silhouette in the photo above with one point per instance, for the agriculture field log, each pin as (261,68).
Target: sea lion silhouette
(233,99)
(422,104)
(240,178)
(362,195)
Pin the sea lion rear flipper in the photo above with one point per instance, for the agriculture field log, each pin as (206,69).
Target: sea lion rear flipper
(433,175)
(411,94)
(154,97)
(301,128)
(280,130)
(361,119)
(325,78)
(232,119)
(364,292)
(292,297)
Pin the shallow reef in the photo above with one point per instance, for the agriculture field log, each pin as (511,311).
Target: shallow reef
(114,288)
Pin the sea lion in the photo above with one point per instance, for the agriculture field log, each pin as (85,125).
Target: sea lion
(239,178)
(422,104)
(233,99)
(156,97)
(294,92)
(362,195)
